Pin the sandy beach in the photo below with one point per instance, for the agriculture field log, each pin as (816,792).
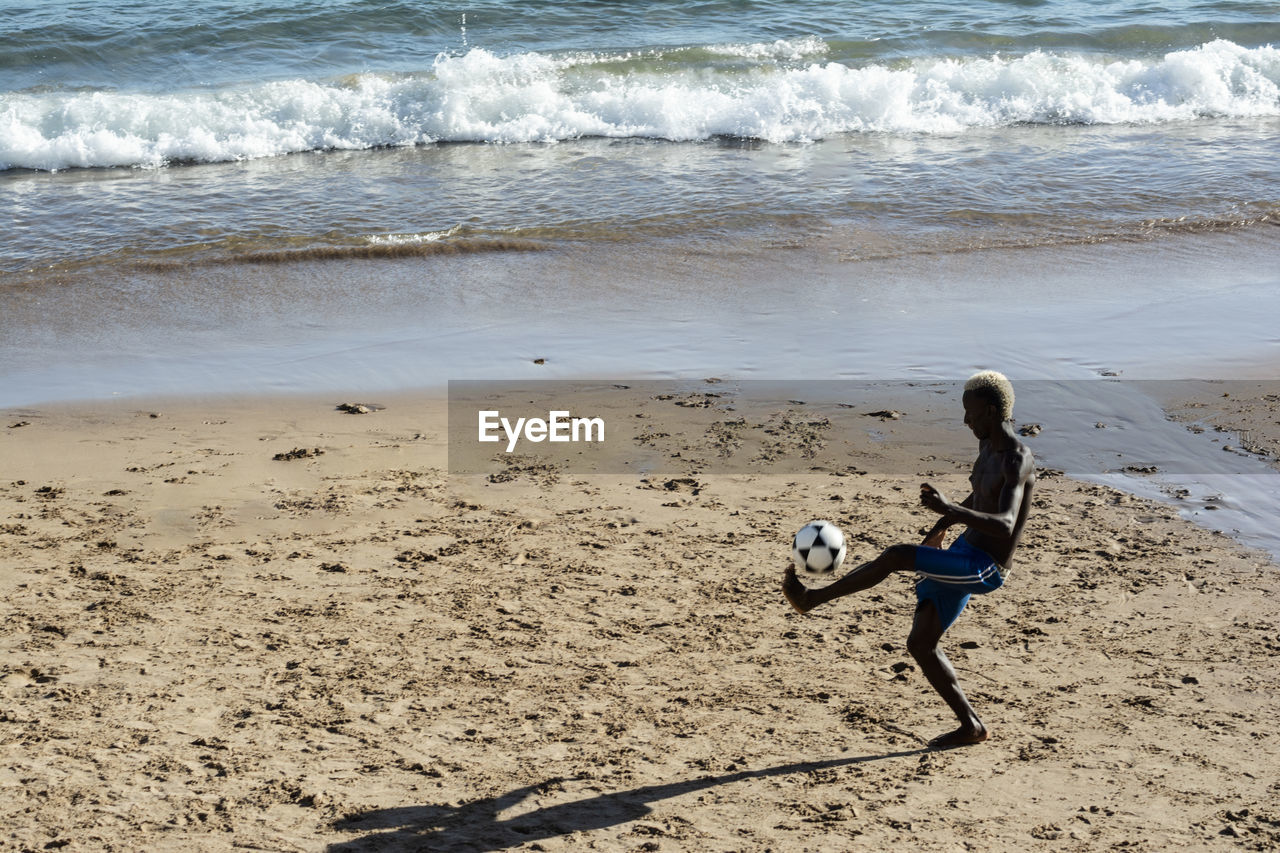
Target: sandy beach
(237,617)
(206,647)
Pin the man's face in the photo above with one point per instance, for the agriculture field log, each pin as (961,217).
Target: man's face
(979,415)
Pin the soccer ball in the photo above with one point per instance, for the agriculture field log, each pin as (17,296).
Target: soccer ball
(818,548)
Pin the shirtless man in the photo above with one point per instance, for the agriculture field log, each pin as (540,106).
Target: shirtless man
(975,564)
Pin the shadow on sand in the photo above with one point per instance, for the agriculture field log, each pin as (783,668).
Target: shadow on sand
(476,825)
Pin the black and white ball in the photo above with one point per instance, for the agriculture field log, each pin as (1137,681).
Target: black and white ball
(818,548)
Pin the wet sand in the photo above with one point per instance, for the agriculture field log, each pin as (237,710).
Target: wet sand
(351,649)
(1166,307)
(1245,413)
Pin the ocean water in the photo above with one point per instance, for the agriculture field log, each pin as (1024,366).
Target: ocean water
(158,135)
(289,196)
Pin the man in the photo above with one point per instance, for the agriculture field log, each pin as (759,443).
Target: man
(975,564)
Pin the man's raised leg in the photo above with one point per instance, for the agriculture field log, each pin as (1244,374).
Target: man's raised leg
(897,558)
(926,634)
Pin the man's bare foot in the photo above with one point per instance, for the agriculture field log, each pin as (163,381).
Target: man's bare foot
(795,591)
(963,736)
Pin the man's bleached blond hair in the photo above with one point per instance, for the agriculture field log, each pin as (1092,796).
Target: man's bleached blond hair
(996,385)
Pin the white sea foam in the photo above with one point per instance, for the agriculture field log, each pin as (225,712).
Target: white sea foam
(410,239)
(482,97)
(782,49)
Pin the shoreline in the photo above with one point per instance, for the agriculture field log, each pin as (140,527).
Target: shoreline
(356,649)
(654,311)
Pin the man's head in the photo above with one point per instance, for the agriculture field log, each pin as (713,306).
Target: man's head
(988,401)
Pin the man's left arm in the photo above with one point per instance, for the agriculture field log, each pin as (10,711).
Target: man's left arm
(1017,469)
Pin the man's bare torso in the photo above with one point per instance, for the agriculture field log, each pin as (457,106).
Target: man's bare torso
(991,472)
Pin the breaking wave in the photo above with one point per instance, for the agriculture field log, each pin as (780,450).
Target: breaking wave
(764,91)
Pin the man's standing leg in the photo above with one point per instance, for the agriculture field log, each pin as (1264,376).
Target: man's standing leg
(923,644)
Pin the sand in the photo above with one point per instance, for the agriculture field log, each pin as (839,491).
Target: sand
(208,648)
(1247,411)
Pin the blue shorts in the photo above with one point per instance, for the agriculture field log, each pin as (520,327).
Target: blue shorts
(948,578)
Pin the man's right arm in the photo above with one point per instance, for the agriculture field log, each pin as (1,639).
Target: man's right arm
(933,539)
